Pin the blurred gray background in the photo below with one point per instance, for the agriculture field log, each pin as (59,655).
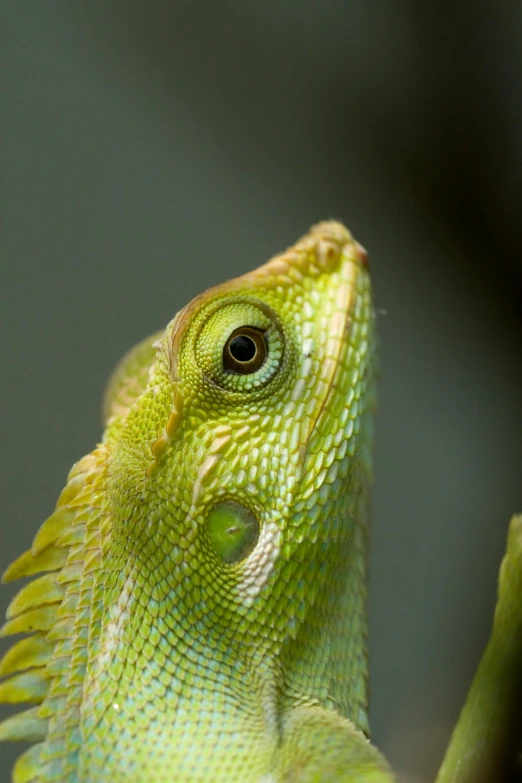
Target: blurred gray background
(151,149)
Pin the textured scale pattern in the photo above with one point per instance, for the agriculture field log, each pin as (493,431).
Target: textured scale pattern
(157,657)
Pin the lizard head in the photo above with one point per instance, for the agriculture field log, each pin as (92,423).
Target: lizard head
(239,479)
(251,414)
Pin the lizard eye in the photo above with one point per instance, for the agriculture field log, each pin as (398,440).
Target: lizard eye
(245,350)
(240,346)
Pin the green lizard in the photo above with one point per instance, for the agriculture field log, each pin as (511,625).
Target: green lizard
(202,616)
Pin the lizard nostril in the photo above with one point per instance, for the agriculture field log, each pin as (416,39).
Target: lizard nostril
(362,254)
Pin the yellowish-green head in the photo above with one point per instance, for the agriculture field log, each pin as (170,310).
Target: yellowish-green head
(252,406)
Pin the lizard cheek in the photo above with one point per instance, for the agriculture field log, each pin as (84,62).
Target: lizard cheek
(233,531)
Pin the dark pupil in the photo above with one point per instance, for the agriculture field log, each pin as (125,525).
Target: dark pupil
(242,348)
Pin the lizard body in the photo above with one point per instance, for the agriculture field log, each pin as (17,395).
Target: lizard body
(201,616)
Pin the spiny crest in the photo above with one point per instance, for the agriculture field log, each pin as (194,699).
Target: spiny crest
(46,668)
(62,608)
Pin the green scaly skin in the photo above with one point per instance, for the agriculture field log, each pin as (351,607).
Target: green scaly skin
(202,615)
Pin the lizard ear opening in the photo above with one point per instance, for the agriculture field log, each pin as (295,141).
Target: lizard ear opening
(233,531)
